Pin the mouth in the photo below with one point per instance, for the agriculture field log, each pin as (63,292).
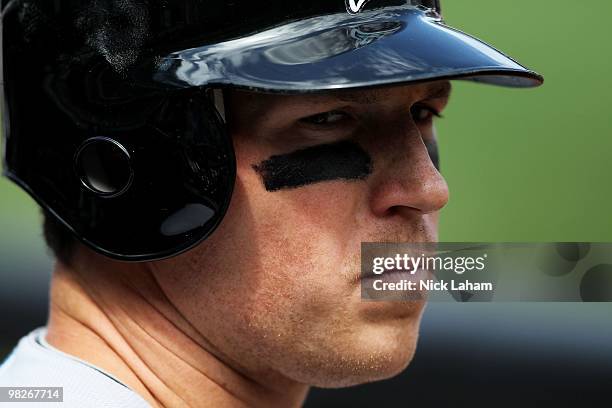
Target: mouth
(397,275)
(395,285)
(404,273)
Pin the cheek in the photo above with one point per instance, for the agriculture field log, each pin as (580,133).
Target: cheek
(274,249)
(304,214)
(289,249)
(303,234)
(279,262)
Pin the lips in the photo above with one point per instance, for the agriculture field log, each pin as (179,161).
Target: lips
(405,273)
(397,275)
(371,285)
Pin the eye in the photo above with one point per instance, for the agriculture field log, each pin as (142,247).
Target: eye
(325,118)
(423,113)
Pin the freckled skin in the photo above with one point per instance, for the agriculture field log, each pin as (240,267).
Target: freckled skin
(275,289)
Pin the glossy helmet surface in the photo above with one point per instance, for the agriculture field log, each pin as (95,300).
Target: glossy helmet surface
(109,114)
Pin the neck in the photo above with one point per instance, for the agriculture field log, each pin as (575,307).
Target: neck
(115,316)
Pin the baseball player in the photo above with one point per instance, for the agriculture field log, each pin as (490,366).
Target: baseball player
(207,172)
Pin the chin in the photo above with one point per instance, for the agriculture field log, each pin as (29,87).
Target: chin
(374,355)
(374,367)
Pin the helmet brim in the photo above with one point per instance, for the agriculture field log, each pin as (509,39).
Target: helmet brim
(340,51)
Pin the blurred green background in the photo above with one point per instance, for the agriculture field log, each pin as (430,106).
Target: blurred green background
(522,165)
(532,165)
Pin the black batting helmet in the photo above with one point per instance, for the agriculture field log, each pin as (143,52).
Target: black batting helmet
(110,117)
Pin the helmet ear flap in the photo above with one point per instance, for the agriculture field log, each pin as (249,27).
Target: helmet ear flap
(140,193)
(135,172)
(183,170)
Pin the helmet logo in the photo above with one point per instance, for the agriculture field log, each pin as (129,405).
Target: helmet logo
(353,7)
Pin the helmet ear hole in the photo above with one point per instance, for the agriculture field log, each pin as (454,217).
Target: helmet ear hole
(104,166)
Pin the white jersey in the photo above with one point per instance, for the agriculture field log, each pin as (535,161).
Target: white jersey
(35,363)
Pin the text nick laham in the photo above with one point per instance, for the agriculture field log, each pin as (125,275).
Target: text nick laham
(432,285)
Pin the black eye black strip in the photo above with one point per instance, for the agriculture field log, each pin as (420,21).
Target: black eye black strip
(343,160)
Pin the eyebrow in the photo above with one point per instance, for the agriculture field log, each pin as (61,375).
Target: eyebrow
(440,91)
(366,98)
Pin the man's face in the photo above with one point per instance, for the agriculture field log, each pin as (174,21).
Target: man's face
(276,290)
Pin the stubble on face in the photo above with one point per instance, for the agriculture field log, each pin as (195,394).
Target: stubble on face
(275,290)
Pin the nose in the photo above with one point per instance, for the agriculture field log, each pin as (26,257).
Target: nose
(405,177)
